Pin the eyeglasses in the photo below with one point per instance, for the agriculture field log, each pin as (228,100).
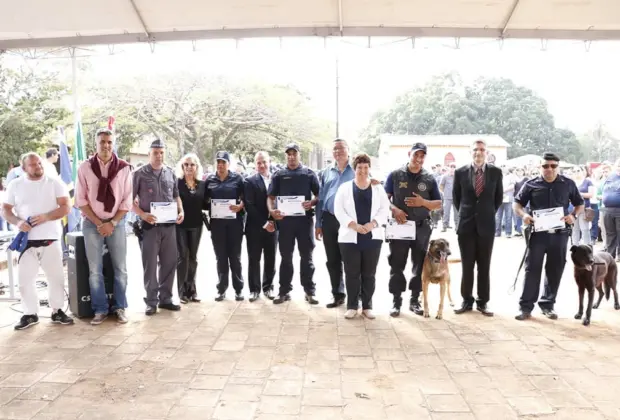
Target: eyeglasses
(187,164)
(552,166)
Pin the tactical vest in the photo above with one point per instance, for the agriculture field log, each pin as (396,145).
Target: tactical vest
(405,185)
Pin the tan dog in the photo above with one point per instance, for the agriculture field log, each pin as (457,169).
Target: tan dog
(435,270)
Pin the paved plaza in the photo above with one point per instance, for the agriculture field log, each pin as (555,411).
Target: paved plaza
(261,361)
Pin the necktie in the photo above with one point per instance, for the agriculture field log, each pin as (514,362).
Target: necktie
(479,182)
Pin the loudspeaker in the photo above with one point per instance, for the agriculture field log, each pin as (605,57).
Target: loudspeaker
(78,272)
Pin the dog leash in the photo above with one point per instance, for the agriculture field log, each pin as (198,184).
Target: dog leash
(527,233)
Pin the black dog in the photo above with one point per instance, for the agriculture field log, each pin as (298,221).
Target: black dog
(592,270)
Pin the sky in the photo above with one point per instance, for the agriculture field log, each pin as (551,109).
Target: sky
(579,81)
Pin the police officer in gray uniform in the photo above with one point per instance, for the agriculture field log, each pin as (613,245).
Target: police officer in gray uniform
(414,194)
(156,183)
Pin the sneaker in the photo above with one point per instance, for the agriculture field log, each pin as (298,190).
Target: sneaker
(368,313)
(59,317)
(98,319)
(350,313)
(121,318)
(27,321)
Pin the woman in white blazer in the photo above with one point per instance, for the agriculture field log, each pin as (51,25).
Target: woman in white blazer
(361,209)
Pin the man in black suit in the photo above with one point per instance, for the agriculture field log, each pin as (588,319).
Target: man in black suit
(477,193)
(260,229)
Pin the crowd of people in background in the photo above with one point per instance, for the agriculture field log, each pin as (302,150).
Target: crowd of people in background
(590,227)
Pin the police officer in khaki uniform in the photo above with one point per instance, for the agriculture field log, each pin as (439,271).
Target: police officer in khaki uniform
(157,183)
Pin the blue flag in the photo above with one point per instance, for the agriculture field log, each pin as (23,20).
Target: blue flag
(66,174)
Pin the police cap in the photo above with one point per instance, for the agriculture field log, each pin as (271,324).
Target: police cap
(418,147)
(222,155)
(551,156)
(291,146)
(157,144)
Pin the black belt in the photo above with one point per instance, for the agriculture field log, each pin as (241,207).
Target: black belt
(37,243)
(555,231)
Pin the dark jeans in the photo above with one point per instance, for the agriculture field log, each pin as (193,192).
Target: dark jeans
(504,215)
(360,266)
(594,229)
(187,262)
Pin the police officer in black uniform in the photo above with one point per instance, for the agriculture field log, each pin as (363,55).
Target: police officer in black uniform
(226,233)
(546,192)
(295,180)
(414,194)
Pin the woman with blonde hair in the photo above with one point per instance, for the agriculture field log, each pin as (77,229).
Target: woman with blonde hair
(192,193)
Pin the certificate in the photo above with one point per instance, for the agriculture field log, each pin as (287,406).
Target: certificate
(292,205)
(220,208)
(165,212)
(404,232)
(548,219)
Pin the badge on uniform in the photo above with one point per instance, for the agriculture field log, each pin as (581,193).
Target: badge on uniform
(421,186)
(403,185)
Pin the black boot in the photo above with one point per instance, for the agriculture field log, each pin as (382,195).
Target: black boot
(398,301)
(414,305)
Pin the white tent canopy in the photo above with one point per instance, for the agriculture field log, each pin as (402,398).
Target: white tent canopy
(60,23)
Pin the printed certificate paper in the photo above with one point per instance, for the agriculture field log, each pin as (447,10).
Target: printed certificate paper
(404,232)
(165,212)
(548,219)
(291,205)
(220,208)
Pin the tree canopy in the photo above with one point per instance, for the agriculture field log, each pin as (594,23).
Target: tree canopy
(445,105)
(190,112)
(30,109)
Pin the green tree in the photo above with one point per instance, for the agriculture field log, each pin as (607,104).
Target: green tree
(599,144)
(203,115)
(445,105)
(31,108)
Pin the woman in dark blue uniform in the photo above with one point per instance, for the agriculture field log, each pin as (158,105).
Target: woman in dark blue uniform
(226,226)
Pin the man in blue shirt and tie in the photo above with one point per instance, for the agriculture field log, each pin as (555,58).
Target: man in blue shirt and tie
(327,225)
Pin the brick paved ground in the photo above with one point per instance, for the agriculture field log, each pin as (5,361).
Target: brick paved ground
(260,361)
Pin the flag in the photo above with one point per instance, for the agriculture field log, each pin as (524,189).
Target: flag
(111,121)
(79,150)
(66,175)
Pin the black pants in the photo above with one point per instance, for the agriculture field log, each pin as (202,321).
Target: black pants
(227,236)
(476,251)
(360,266)
(300,228)
(611,220)
(332,251)
(187,262)
(259,243)
(399,251)
(555,246)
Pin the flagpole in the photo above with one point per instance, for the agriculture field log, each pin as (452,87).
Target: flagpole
(74,88)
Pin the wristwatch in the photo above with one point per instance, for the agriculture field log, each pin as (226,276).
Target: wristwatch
(114,222)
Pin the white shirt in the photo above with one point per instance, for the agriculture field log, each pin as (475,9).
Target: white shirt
(344,210)
(33,198)
(267,181)
(49,169)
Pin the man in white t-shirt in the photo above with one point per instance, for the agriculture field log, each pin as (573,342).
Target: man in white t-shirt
(39,203)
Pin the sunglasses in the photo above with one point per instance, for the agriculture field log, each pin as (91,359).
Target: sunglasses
(189,164)
(552,166)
